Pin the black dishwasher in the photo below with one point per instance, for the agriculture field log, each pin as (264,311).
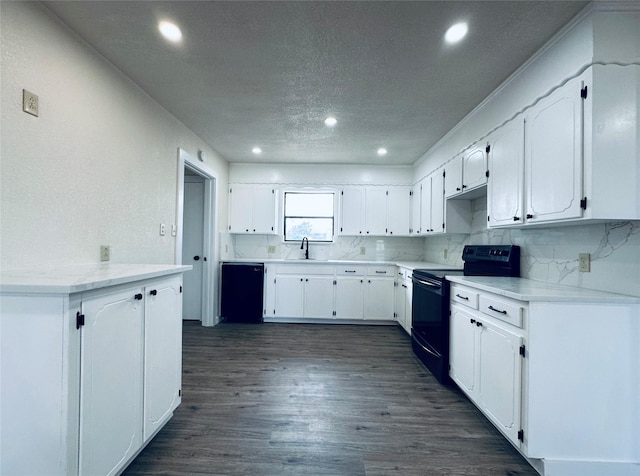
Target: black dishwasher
(242,285)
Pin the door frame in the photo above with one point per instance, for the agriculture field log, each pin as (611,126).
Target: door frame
(210,228)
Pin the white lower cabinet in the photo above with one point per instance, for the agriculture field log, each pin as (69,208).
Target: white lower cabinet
(111,380)
(556,376)
(404,294)
(348,292)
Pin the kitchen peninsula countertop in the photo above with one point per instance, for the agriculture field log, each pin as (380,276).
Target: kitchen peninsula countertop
(529,290)
(77,278)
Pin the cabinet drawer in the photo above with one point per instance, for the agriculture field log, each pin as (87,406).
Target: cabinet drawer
(464,296)
(503,310)
(381,271)
(304,269)
(346,270)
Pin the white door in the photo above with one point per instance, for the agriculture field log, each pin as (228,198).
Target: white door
(474,168)
(375,211)
(399,210)
(416,198)
(193,247)
(453,177)
(349,297)
(240,209)
(264,210)
(437,203)
(352,211)
(425,205)
(318,297)
(289,296)
(379,302)
(462,350)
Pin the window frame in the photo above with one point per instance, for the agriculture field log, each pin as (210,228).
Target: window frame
(333,217)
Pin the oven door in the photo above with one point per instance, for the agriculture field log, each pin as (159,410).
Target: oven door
(430,324)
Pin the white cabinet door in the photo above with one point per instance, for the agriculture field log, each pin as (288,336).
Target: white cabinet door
(352,211)
(505,192)
(264,210)
(240,209)
(162,353)
(500,371)
(462,349)
(453,177)
(425,206)
(416,201)
(269,291)
(553,155)
(399,210)
(408,298)
(375,211)
(349,297)
(378,300)
(438,224)
(474,167)
(289,296)
(401,302)
(318,297)
(111,377)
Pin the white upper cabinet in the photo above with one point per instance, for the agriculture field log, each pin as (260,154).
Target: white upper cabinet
(352,211)
(553,155)
(375,210)
(474,167)
(453,177)
(416,205)
(505,195)
(399,210)
(425,205)
(252,209)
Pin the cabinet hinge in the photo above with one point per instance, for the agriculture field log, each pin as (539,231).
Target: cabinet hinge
(583,203)
(334,313)
(79,320)
(180,288)
(583,92)
(387,193)
(521,435)
(443,226)
(229,227)
(335,282)
(341,192)
(395,315)
(179,392)
(522,350)
(488,217)
(444,173)
(273,191)
(488,149)
(486,174)
(230,190)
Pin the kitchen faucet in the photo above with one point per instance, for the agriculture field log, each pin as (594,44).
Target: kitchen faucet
(306,253)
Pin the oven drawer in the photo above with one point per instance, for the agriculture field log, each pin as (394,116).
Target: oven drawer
(464,296)
(503,310)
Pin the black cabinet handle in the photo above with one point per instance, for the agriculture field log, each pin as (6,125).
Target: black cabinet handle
(516,218)
(138,297)
(462,297)
(497,310)
(196,258)
(529,215)
(479,324)
(153,292)
(473,321)
(458,189)
(349,271)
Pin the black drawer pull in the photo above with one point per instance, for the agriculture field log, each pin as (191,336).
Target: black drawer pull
(473,321)
(153,292)
(381,272)
(349,271)
(138,297)
(462,297)
(497,310)
(479,324)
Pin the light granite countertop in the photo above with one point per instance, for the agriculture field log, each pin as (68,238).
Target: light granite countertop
(403,264)
(78,278)
(529,290)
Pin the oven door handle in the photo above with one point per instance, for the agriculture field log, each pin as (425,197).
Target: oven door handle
(426,283)
(428,348)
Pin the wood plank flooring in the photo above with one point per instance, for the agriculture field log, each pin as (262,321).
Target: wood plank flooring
(319,400)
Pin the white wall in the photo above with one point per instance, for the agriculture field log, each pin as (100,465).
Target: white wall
(97,167)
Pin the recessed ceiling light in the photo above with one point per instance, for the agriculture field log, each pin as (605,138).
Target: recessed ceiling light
(170,31)
(330,121)
(256,150)
(456,33)
(382,151)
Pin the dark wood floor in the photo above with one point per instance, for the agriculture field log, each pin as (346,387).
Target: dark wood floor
(308,399)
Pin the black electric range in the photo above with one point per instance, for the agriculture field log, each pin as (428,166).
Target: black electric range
(430,303)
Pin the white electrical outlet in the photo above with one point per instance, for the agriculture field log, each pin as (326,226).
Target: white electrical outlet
(363,250)
(271,249)
(584,262)
(105,253)
(446,253)
(30,103)
(163,229)
(174,230)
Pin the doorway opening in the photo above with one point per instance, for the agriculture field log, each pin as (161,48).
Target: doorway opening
(196,243)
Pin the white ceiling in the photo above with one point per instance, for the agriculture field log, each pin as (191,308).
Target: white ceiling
(268,73)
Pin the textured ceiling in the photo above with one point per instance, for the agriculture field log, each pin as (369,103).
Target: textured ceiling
(267,73)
